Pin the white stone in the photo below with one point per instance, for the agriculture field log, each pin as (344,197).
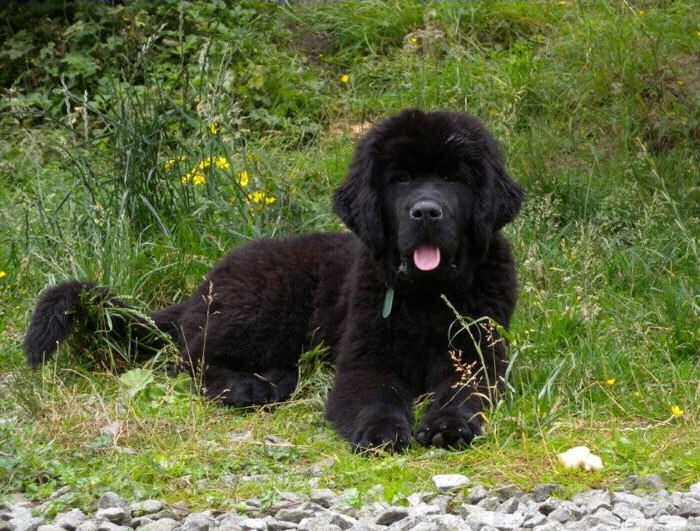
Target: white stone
(449,481)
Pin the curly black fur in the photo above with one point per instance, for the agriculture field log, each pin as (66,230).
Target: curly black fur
(417,179)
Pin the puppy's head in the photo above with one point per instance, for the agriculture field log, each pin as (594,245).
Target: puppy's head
(426,192)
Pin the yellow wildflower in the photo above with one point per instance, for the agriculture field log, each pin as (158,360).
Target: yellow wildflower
(221,162)
(680,81)
(170,163)
(3,274)
(697,33)
(637,394)
(641,11)
(345,78)
(195,177)
(243,178)
(213,128)
(562,2)
(676,411)
(610,382)
(494,112)
(259,196)
(414,40)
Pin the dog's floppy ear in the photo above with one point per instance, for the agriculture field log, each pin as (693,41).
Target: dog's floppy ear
(507,197)
(356,201)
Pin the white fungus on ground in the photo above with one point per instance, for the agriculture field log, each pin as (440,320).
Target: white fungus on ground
(580,457)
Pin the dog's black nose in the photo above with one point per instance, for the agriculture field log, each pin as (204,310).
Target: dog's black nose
(426,210)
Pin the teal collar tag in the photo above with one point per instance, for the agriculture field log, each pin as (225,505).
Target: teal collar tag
(388,302)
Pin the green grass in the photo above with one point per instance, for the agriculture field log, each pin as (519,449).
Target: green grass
(597,108)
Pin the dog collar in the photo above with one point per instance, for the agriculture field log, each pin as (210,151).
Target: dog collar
(388,302)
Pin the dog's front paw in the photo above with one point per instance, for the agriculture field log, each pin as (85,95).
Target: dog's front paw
(448,429)
(382,433)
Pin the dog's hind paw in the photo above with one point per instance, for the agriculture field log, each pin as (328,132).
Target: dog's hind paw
(382,434)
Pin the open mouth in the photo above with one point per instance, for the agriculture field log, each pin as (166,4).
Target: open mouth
(426,257)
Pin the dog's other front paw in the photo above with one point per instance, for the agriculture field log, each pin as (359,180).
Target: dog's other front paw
(385,432)
(448,429)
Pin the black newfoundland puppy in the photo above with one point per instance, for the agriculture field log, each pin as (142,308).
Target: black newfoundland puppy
(426,196)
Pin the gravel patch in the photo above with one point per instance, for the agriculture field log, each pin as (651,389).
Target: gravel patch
(451,507)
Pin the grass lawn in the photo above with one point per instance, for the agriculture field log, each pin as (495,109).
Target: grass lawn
(139,143)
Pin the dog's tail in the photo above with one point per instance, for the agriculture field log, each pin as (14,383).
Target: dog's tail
(59,307)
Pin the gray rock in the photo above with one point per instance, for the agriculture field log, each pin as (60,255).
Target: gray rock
(12,510)
(476,494)
(605,517)
(239,436)
(422,510)
(295,515)
(509,506)
(449,522)
(49,527)
(70,519)
(419,497)
(672,521)
(146,507)
(162,524)
(26,524)
(198,522)
(342,521)
(651,482)
(231,513)
(141,521)
(479,518)
(566,511)
(442,501)
(489,504)
(549,505)
(627,512)
(324,497)
(59,493)
(593,500)
(110,499)
(317,468)
(425,526)
(545,490)
(653,509)
(631,482)
(445,482)
(87,525)
(277,525)
(164,514)
(253,524)
(533,519)
(504,492)
(116,515)
(685,505)
(391,515)
(229,522)
(630,499)
(695,489)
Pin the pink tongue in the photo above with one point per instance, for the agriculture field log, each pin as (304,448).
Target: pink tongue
(426,257)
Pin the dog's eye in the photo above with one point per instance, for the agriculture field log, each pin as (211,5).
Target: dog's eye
(401,177)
